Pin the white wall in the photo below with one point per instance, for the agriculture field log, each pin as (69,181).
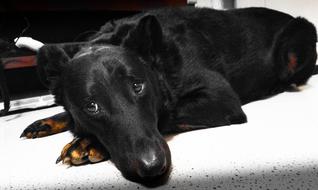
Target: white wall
(216,4)
(304,8)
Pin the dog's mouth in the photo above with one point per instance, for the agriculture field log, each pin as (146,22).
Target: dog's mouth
(153,181)
(148,164)
(151,170)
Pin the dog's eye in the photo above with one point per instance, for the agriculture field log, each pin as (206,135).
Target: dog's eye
(138,87)
(92,107)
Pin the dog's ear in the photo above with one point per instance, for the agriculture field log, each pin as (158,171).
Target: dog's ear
(146,38)
(51,60)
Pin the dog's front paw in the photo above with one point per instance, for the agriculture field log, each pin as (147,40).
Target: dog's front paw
(44,127)
(82,151)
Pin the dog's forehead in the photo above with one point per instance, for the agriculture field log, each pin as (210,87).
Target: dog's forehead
(96,56)
(105,60)
(101,66)
(109,56)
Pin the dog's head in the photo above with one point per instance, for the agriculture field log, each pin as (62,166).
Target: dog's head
(113,93)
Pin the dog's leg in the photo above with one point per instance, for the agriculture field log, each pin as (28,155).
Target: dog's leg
(294,52)
(204,105)
(83,151)
(48,126)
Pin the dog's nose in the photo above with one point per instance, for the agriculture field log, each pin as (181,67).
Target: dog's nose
(151,165)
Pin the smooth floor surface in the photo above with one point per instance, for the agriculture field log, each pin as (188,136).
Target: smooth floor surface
(276,149)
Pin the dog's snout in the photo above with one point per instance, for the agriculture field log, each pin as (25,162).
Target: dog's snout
(152,165)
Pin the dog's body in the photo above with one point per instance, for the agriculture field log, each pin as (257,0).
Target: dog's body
(172,70)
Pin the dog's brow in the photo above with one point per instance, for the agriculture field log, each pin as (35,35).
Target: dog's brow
(112,64)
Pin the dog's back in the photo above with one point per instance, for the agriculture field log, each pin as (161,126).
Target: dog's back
(258,50)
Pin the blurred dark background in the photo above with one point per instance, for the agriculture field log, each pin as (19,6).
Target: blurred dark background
(61,21)
(54,21)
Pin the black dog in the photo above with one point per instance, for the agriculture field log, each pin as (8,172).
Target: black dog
(165,71)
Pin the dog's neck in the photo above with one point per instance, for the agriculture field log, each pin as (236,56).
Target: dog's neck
(168,74)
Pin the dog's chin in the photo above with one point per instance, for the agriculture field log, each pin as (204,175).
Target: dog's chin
(151,181)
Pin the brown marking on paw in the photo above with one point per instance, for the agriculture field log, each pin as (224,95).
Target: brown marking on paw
(95,155)
(56,126)
(80,151)
(43,128)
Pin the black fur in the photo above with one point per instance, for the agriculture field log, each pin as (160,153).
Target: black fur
(198,66)
(316,70)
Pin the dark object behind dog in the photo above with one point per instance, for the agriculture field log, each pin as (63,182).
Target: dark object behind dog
(4,91)
(169,70)
(4,47)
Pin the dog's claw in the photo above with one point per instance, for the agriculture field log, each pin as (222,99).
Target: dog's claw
(22,135)
(58,160)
